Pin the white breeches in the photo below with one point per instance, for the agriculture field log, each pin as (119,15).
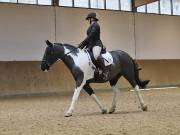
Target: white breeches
(96,51)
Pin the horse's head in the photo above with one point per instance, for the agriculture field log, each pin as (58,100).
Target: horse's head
(50,56)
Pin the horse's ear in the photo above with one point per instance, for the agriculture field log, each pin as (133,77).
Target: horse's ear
(49,43)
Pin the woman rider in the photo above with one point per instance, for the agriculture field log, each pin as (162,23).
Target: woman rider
(94,43)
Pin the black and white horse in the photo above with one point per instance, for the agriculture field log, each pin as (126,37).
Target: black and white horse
(79,64)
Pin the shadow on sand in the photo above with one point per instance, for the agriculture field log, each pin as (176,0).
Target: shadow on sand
(115,113)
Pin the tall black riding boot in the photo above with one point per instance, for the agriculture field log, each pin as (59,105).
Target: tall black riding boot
(100,64)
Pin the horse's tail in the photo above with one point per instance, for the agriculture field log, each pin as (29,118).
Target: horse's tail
(142,83)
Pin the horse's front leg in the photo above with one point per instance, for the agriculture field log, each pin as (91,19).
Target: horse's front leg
(114,99)
(74,99)
(91,93)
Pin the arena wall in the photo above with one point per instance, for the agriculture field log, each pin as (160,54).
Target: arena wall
(23,29)
(157,36)
(20,77)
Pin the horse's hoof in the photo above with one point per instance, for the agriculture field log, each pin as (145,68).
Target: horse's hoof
(144,108)
(68,115)
(112,110)
(104,111)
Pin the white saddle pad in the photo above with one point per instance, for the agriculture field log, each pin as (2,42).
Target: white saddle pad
(108,59)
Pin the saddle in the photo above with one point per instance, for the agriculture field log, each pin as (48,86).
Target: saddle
(108,59)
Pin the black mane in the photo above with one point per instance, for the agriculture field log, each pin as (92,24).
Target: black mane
(71,48)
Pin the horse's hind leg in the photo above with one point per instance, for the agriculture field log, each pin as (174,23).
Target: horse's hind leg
(114,99)
(91,93)
(131,78)
(143,105)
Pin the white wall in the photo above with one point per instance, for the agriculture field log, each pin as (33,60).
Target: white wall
(23,29)
(158,37)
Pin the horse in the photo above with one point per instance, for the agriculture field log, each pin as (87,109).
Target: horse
(78,62)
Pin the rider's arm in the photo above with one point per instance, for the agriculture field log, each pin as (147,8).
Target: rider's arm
(94,32)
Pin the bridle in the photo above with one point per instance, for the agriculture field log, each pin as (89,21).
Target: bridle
(45,61)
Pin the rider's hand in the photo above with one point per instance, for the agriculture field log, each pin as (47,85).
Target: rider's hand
(81,46)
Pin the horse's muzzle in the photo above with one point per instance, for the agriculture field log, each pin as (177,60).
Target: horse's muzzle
(44,66)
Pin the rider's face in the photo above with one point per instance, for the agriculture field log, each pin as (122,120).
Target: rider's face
(91,20)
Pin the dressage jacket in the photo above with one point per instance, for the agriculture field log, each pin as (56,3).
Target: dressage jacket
(93,37)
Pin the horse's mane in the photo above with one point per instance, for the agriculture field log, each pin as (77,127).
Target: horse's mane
(69,46)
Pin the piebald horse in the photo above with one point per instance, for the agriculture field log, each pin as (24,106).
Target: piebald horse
(80,65)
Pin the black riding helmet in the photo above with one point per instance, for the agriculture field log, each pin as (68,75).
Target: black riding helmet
(92,15)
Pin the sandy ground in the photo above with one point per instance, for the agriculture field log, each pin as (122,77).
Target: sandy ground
(45,115)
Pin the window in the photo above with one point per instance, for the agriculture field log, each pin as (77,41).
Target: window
(65,3)
(81,3)
(159,7)
(11,1)
(176,7)
(141,9)
(97,4)
(44,2)
(28,1)
(40,2)
(165,6)
(112,4)
(153,7)
(126,5)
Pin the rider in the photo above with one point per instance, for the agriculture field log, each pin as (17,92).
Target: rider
(94,43)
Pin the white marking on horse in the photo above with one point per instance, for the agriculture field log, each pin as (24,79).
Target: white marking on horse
(80,61)
(114,99)
(143,106)
(74,99)
(98,103)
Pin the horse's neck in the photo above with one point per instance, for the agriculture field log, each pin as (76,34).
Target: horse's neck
(68,48)
(63,49)
(78,62)
(70,55)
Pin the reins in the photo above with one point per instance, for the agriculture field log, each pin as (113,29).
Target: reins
(69,52)
(74,50)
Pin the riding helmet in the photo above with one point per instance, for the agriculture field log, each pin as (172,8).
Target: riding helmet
(92,15)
